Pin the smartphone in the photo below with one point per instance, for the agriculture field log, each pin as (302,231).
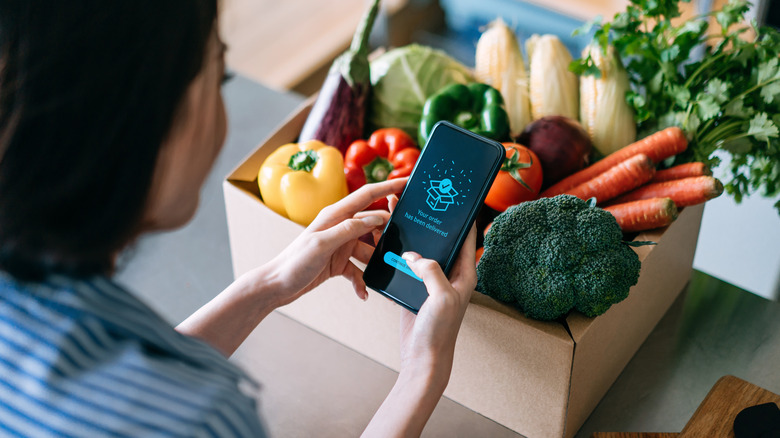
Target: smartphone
(445,191)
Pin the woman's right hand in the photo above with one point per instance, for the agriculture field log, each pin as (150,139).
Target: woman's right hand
(427,343)
(428,338)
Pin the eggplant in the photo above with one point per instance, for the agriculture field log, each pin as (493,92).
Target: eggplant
(337,118)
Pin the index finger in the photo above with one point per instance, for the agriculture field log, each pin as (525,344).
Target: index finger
(357,201)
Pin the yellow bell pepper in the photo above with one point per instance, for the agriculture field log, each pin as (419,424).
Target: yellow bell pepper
(299,180)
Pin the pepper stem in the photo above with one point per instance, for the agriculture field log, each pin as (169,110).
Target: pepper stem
(377,170)
(303,160)
(466,120)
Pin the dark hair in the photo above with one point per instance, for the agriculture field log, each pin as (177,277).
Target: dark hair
(88,93)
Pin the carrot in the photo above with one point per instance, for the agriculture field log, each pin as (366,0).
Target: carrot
(621,178)
(658,146)
(682,171)
(644,214)
(684,192)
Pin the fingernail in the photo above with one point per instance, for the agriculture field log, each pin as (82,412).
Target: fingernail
(410,256)
(365,296)
(372,221)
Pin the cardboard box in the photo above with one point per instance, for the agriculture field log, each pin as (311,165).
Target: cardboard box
(541,379)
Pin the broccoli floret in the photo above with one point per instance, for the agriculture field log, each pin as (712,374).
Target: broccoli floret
(599,286)
(549,294)
(603,230)
(556,254)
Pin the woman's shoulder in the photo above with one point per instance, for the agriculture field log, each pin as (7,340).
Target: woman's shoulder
(85,356)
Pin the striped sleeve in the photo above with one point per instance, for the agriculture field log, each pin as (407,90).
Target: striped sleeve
(104,369)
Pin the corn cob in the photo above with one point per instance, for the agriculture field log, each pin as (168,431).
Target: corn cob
(553,88)
(604,112)
(499,63)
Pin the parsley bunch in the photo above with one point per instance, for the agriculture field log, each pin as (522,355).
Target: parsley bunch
(722,90)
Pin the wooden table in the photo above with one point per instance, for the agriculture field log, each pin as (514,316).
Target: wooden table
(716,414)
(290,44)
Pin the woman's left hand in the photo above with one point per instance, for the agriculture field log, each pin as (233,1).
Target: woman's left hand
(324,249)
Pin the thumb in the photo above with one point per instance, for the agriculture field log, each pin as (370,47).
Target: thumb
(349,229)
(430,272)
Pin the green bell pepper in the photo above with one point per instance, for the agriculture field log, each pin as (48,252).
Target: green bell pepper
(476,107)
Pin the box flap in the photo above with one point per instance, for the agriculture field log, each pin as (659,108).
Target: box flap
(287,132)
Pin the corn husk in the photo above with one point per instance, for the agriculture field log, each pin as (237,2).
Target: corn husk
(499,63)
(554,90)
(604,112)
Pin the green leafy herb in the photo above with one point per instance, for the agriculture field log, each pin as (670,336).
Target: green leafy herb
(722,89)
(762,128)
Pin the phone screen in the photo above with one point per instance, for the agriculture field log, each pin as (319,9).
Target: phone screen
(435,211)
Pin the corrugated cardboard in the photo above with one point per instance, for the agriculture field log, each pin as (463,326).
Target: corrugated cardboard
(541,379)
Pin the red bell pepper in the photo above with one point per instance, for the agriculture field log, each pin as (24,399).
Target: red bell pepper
(388,154)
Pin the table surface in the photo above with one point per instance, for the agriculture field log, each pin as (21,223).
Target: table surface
(315,386)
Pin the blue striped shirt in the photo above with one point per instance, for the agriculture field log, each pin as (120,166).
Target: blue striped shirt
(86,358)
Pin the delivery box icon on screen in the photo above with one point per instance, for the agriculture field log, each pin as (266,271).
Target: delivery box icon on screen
(441,195)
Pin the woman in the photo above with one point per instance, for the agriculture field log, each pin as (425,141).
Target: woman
(110,119)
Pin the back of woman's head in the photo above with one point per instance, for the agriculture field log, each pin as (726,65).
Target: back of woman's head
(88,92)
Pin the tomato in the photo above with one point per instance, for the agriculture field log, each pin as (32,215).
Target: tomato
(520,178)
(487,228)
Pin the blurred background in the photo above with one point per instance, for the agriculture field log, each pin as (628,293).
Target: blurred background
(289,46)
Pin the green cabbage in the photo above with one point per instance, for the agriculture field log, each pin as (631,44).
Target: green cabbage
(403,79)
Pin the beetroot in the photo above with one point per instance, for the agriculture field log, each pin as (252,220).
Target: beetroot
(561,144)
